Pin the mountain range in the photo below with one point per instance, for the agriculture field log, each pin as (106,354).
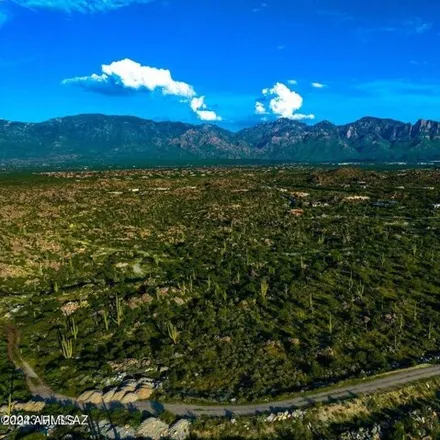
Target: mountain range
(110,140)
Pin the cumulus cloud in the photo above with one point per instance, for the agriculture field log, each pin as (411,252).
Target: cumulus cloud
(208,115)
(317,85)
(82,6)
(199,107)
(293,82)
(127,76)
(284,102)
(260,108)
(301,117)
(198,103)
(136,76)
(104,84)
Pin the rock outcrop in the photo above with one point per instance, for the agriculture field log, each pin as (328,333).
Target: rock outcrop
(29,407)
(155,429)
(128,392)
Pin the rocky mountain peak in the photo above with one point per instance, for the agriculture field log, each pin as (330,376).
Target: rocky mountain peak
(102,139)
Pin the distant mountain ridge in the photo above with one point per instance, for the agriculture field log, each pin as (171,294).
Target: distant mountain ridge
(100,139)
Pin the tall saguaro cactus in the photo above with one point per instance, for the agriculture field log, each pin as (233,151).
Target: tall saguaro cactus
(172,332)
(264,287)
(105,317)
(66,347)
(119,311)
(74,330)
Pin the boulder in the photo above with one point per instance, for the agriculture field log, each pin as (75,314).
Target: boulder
(179,430)
(30,406)
(152,429)
(144,393)
(129,385)
(95,397)
(84,397)
(110,431)
(119,395)
(271,418)
(129,397)
(146,381)
(109,396)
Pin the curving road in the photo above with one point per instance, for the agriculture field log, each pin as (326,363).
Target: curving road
(344,392)
(42,392)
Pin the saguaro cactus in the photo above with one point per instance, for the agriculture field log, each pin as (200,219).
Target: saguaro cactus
(172,332)
(66,347)
(105,317)
(74,328)
(264,287)
(10,404)
(119,311)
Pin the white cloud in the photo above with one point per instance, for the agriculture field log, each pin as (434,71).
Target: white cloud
(208,115)
(284,102)
(198,103)
(131,75)
(260,109)
(293,82)
(125,76)
(301,117)
(199,107)
(317,85)
(136,76)
(82,6)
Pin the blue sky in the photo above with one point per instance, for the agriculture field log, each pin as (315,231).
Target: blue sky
(231,62)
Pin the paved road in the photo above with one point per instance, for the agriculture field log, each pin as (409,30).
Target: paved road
(42,392)
(344,392)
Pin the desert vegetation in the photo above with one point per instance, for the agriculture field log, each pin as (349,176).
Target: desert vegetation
(224,284)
